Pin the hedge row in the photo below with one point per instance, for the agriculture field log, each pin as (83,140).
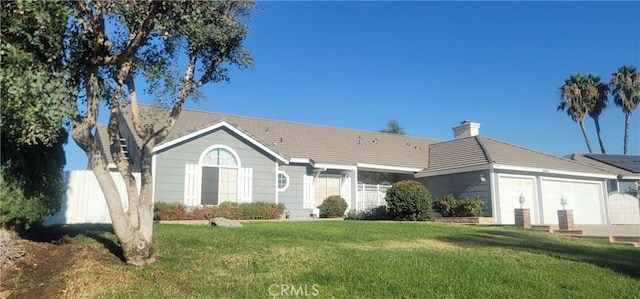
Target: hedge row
(229,210)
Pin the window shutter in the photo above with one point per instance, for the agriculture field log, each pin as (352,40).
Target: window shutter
(308,192)
(345,190)
(245,185)
(191,185)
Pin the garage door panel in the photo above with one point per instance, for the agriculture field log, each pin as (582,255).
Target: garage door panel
(510,188)
(584,198)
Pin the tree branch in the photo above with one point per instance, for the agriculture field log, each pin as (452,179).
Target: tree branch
(135,114)
(208,75)
(185,91)
(136,38)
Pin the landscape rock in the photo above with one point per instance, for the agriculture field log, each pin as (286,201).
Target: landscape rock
(224,222)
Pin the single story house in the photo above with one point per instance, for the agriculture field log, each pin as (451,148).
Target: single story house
(210,158)
(624,195)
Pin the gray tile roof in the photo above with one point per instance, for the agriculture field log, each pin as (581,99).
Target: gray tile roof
(322,144)
(479,150)
(330,145)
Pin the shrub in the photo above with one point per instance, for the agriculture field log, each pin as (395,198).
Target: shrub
(243,211)
(408,200)
(448,206)
(334,206)
(169,211)
(31,181)
(377,213)
(470,207)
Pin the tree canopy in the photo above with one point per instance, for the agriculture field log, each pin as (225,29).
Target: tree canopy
(96,52)
(393,127)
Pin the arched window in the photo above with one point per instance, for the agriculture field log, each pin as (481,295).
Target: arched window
(220,169)
(220,157)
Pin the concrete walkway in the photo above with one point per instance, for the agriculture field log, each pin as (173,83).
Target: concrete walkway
(606,230)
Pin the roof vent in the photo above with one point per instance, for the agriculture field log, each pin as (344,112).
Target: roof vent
(466,129)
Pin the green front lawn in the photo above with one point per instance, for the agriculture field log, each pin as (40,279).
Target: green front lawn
(360,259)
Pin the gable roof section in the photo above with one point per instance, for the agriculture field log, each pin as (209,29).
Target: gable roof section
(478,152)
(214,127)
(611,163)
(299,142)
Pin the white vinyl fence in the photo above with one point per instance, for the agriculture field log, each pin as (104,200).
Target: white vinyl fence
(370,196)
(84,202)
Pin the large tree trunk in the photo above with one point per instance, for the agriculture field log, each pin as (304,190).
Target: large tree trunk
(627,117)
(586,136)
(597,123)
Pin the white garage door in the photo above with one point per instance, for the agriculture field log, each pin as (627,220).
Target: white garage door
(509,190)
(584,198)
(624,209)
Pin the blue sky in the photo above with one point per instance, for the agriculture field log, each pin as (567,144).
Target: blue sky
(430,65)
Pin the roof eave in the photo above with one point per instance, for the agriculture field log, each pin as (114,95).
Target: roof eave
(395,169)
(431,173)
(554,171)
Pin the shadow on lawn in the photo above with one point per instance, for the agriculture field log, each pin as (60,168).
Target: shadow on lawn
(60,234)
(624,260)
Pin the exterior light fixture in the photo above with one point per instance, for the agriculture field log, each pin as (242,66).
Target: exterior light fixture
(521,200)
(563,202)
(482,178)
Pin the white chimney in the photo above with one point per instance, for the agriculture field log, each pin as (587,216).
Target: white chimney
(466,129)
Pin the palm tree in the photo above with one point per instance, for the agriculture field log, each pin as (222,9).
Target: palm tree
(597,94)
(625,88)
(393,127)
(574,101)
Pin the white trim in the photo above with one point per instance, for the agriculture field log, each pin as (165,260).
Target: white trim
(153,178)
(552,171)
(336,166)
(452,171)
(493,178)
(277,189)
(217,126)
(630,177)
(277,181)
(301,160)
(366,166)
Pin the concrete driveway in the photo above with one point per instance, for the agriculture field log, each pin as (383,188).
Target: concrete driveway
(630,230)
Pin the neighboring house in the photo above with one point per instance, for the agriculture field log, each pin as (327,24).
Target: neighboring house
(211,158)
(624,195)
(500,173)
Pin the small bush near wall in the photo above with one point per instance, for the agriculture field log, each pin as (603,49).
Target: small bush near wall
(377,213)
(229,210)
(449,206)
(334,206)
(408,200)
(169,211)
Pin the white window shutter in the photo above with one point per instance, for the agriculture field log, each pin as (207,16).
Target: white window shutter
(245,185)
(308,189)
(345,190)
(191,185)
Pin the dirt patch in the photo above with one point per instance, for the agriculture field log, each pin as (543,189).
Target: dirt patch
(407,245)
(37,274)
